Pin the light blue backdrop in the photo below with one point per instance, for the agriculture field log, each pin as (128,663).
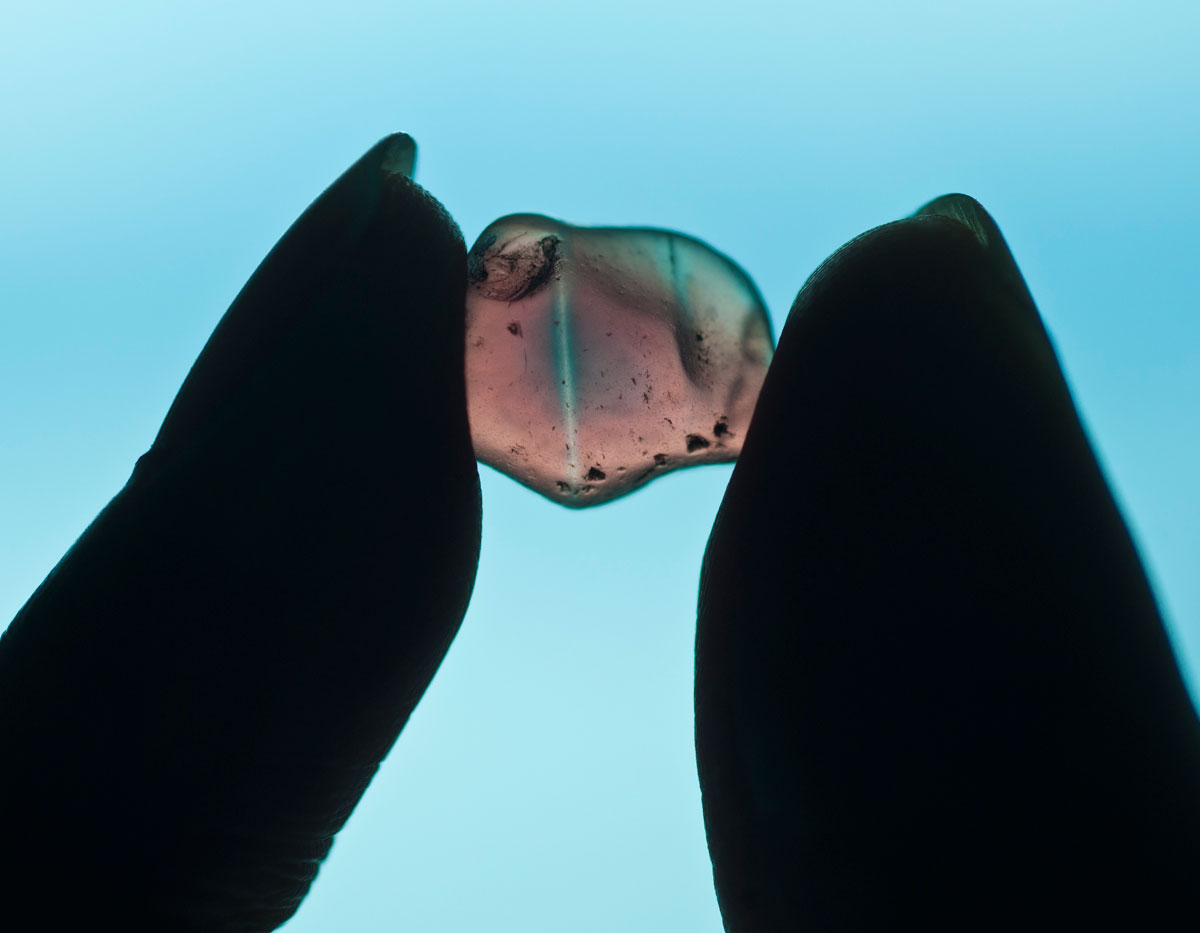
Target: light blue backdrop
(153,152)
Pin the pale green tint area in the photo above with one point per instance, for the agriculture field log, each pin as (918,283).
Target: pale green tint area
(153,154)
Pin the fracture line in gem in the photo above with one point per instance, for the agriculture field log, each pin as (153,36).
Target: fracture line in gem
(568,389)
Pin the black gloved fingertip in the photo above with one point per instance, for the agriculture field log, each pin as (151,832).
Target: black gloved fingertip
(398,155)
(969,212)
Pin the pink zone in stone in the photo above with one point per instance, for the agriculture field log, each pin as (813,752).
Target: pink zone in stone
(600,358)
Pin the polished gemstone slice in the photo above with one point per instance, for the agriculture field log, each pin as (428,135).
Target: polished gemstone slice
(599,358)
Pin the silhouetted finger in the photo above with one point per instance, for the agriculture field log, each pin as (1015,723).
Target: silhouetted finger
(933,689)
(194,700)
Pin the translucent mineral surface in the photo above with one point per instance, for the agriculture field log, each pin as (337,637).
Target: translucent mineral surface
(600,358)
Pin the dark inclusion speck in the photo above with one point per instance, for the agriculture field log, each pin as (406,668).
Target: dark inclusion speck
(602,311)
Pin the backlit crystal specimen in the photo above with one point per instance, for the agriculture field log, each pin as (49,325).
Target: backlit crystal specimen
(599,358)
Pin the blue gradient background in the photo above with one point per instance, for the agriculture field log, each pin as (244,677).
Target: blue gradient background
(153,153)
